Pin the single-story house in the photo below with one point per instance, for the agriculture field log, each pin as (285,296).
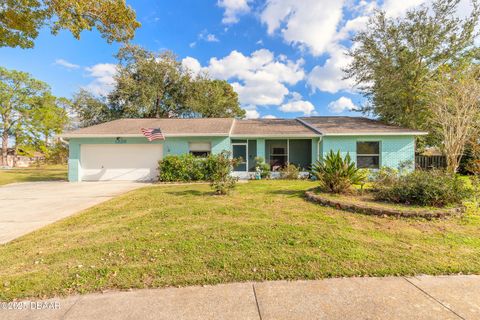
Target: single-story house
(118,150)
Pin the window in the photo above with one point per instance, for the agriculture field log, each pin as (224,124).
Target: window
(240,153)
(277,154)
(200,149)
(368,155)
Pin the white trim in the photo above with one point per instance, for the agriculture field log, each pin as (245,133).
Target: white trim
(309,126)
(266,136)
(244,136)
(90,135)
(231,127)
(196,135)
(415,133)
(130,135)
(288,152)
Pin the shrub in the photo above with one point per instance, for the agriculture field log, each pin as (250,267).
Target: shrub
(337,174)
(290,172)
(405,167)
(384,176)
(183,168)
(262,167)
(221,181)
(425,188)
(186,168)
(475,180)
(57,153)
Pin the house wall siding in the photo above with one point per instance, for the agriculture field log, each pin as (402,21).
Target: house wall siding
(179,145)
(393,149)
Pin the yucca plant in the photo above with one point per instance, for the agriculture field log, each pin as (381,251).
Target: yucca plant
(337,174)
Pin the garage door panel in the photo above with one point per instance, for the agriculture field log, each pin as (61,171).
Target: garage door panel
(120,162)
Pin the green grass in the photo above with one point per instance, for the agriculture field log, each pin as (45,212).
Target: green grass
(183,235)
(43,173)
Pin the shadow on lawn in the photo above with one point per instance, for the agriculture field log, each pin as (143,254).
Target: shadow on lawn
(287,192)
(190,192)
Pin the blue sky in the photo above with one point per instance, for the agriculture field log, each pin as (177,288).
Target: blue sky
(283,57)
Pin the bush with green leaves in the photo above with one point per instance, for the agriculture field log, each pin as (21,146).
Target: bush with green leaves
(57,153)
(184,168)
(435,188)
(384,176)
(290,172)
(337,174)
(262,167)
(215,168)
(221,180)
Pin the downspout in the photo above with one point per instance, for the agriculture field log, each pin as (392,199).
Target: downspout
(320,134)
(318,147)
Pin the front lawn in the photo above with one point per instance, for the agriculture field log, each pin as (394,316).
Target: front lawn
(265,230)
(43,173)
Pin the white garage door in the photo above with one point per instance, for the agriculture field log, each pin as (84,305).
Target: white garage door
(132,162)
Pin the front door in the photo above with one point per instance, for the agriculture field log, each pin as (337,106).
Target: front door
(240,152)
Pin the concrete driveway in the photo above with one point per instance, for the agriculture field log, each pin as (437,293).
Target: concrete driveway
(25,207)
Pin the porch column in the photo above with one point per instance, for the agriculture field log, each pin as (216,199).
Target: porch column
(315,150)
(261,148)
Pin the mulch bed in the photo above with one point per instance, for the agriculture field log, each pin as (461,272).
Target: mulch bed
(370,207)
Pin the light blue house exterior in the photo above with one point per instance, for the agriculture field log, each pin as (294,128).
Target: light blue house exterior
(118,151)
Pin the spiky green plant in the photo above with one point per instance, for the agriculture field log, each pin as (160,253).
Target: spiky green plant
(337,174)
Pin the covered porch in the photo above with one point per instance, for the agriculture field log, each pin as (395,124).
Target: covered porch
(301,152)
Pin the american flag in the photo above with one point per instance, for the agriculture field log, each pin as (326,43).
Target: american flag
(153,134)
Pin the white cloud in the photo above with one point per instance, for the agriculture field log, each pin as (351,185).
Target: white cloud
(323,27)
(396,8)
(308,23)
(251,112)
(233,9)
(66,64)
(103,74)
(208,37)
(192,64)
(342,104)
(211,38)
(329,76)
(306,107)
(269,116)
(259,79)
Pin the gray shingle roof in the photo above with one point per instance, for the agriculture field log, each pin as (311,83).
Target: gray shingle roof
(305,127)
(271,127)
(354,126)
(169,127)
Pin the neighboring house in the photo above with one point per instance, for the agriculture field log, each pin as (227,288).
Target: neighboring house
(117,150)
(22,161)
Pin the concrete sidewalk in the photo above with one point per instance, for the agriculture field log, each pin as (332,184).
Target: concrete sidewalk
(423,297)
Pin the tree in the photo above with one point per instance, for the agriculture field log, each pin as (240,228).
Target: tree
(48,117)
(214,99)
(455,103)
(21,20)
(91,110)
(17,93)
(393,60)
(156,85)
(150,85)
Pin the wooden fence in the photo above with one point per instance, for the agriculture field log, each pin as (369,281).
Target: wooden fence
(430,162)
